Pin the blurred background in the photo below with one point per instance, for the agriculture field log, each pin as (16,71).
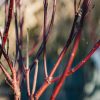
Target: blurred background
(82,85)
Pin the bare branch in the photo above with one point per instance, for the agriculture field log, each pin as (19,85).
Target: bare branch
(67,68)
(96,46)
(75,7)
(45,64)
(27,56)
(9,83)
(49,27)
(35,78)
(77,67)
(27,72)
(5,72)
(7,59)
(44,37)
(6,30)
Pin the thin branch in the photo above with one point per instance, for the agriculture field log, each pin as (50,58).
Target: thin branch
(63,52)
(75,7)
(18,56)
(5,72)
(21,23)
(77,67)
(45,64)
(27,71)
(44,37)
(6,30)
(49,27)
(31,52)
(96,46)
(7,59)
(16,31)
(27,56)
(9,83)
(46,83)
(35,78)
(77,26)
(6,11)
(7,45)
(84,11)
(68,66)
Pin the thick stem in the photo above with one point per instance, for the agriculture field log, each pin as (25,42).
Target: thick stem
(17,97)
(15,83)
(41,90)
(17,92)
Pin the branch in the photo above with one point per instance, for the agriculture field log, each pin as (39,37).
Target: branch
(27,71)
(6,11)
(45,63)
(5,72)
(68,66)
(47,35)
(35,78)
(44,37)
(7,59)
(77,26)
(6,30)
(81,63)
(75,7)
(27,56)
(96,46)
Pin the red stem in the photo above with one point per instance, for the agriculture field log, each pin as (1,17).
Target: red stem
(6,30)
(68,66)
(49,27)
(28,81)
(7,59)
(5,72)
(96,46)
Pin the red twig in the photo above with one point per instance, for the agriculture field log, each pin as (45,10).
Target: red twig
(13,80)
(7,59)
(6,30)
(73,70)
(5,72)
(68,66)
(96,46)
(47,82)
(49,27)
(27,71)
(77,25)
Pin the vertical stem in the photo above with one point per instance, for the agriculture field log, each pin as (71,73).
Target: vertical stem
(16,86)
(27,56)
(44,37)
(6,30)
(28,81)
(35,78)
